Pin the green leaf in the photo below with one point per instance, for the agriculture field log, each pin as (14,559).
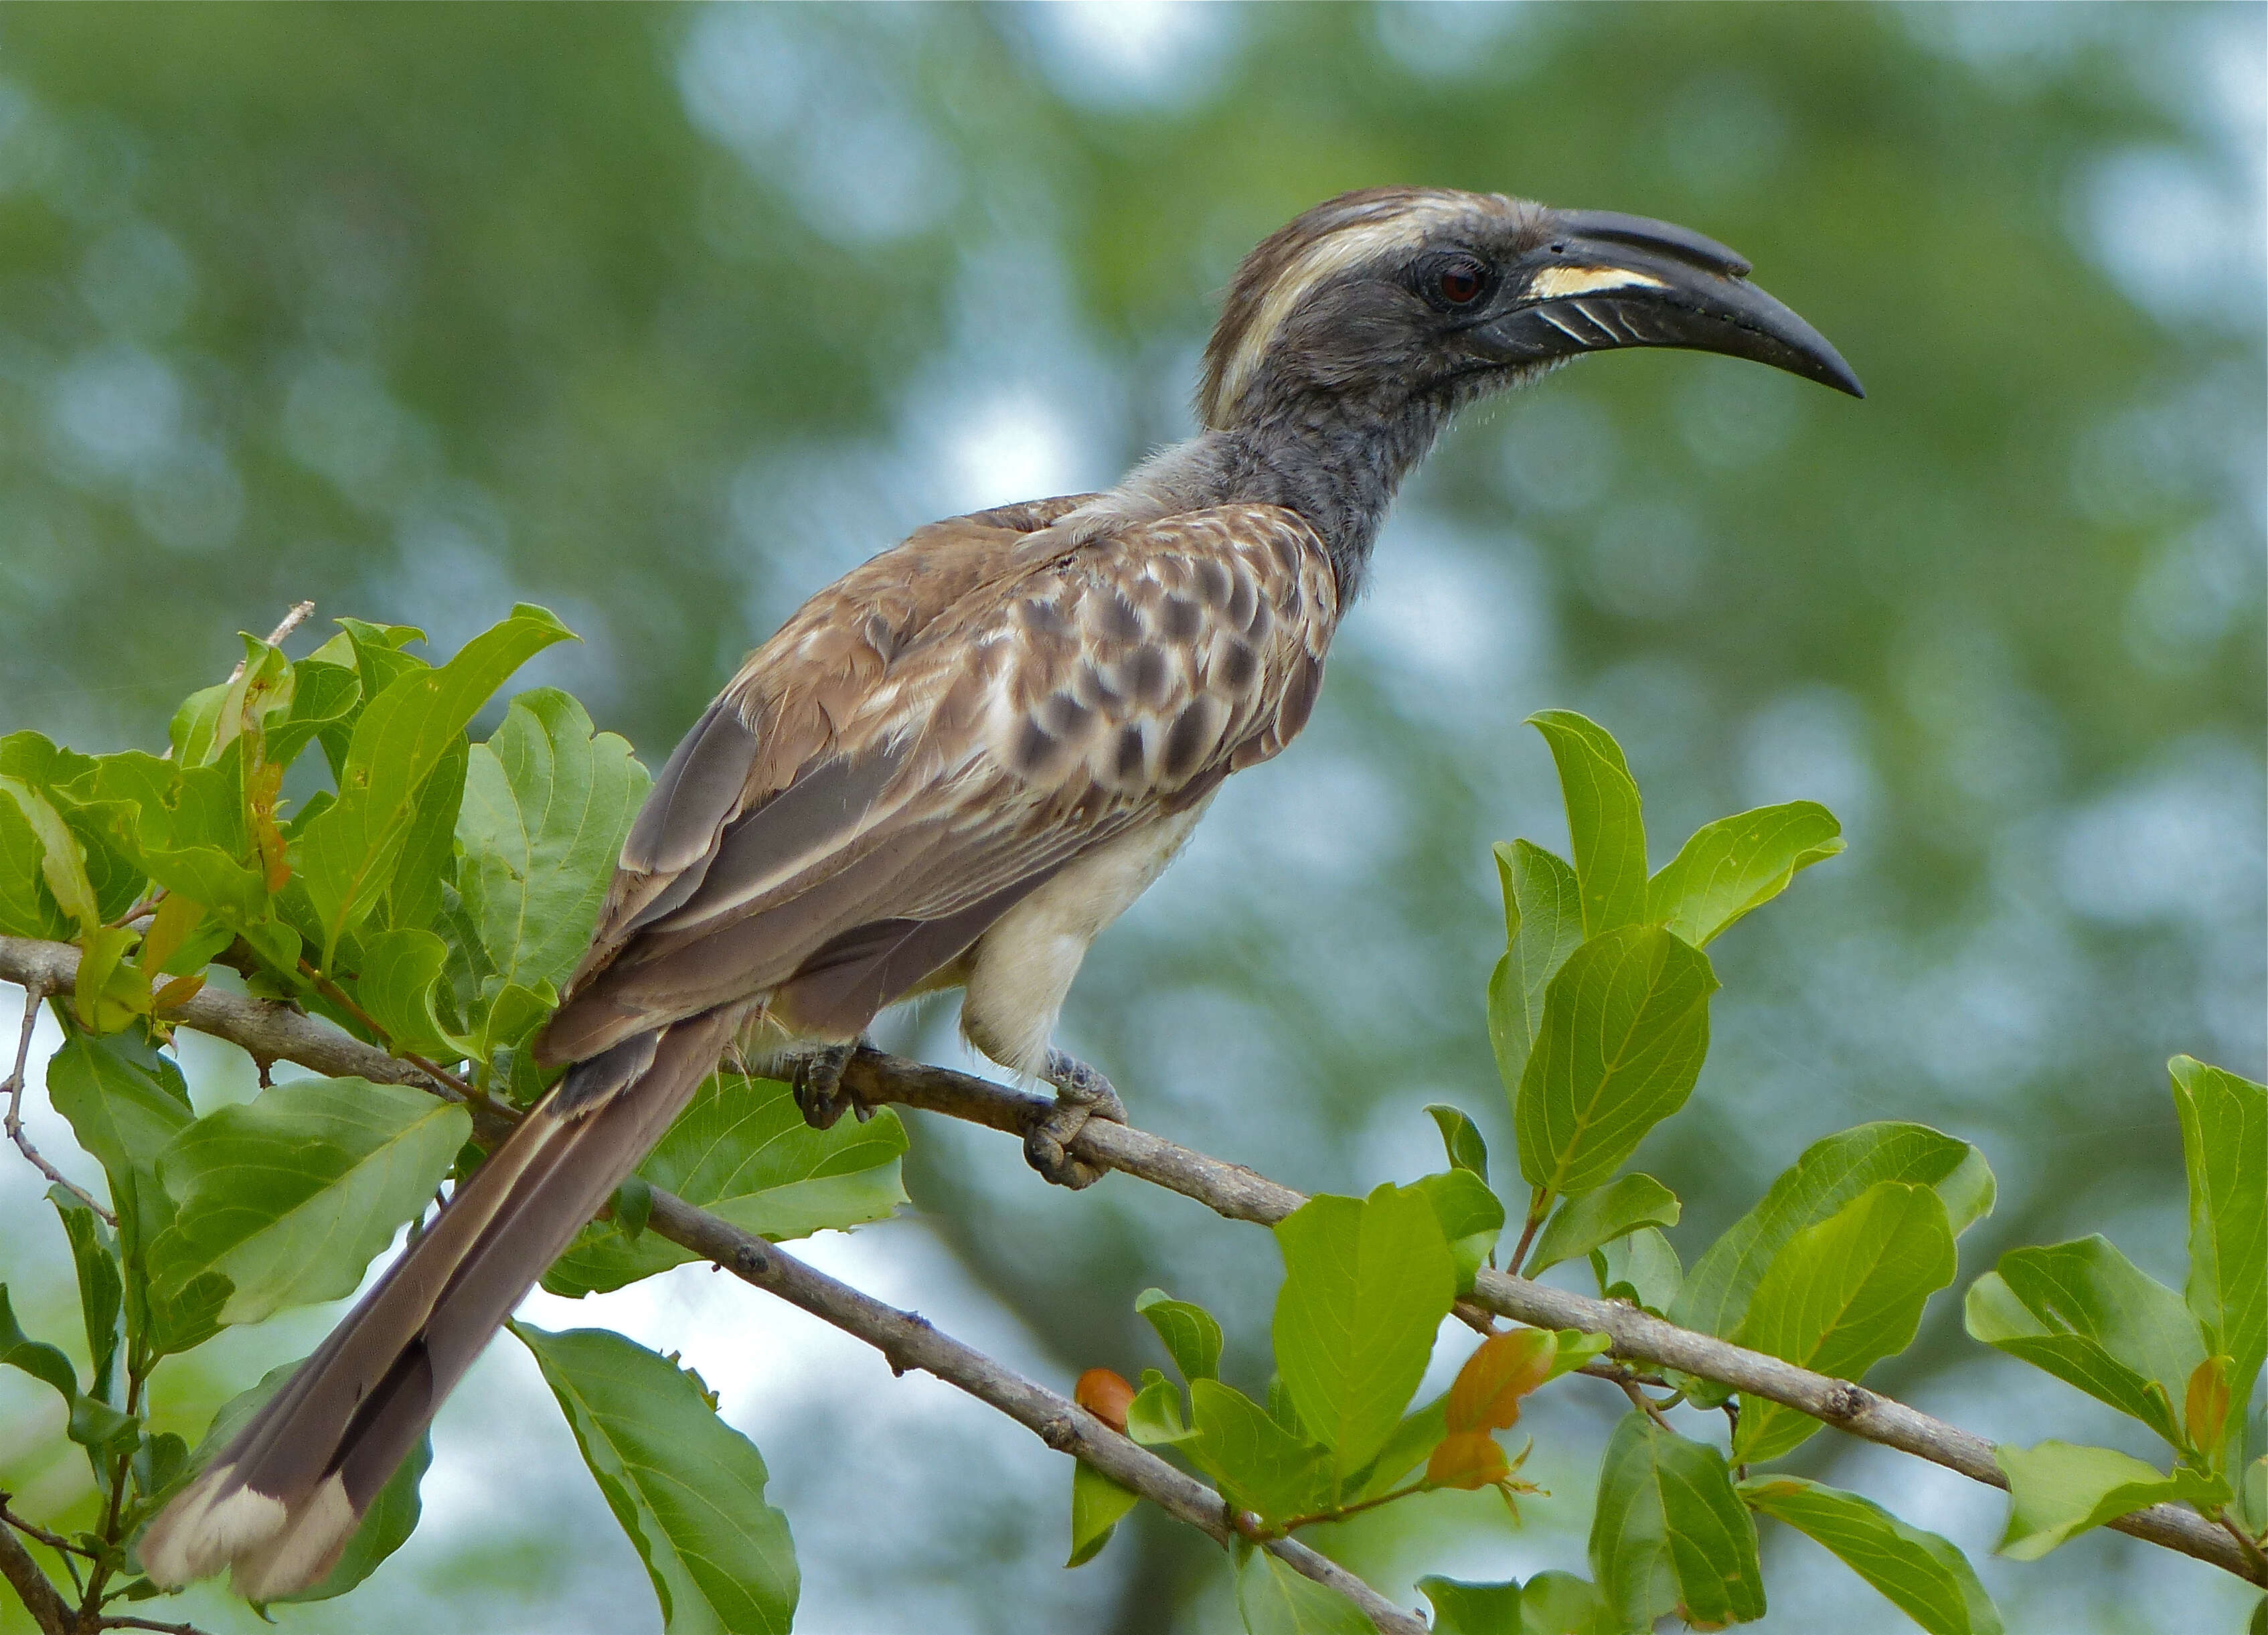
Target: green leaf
(1831,1173)
(263,686)
(1625,1028)
(185,827)
(159,1462)
(1925,1576)
(290,1195)
(1273,1600)
(28,905)
(741,1151)
(323,696)
(2060,1489)
(1460,1139)
(1575,1348)
(1543,924)
(2084,1313)
(1603,820)
(348,854)
(1189,1332)
(1463,1609)
(1413,1440)
(126,1103)
(94,1424)
(63,861)
(101,1296)
(1366,1283)
(1471,1218)
(1582,1224)
(1668,1535)
(1641,1268)
(1842,1296)
(1097,1505)
(546,804)
(1259,1464)
(386,1526)
(43,1362)
(1738,864)
(429,849)
(99,996)
(633,1206)
(1153,1418)
(2225,1145)
(506,1015)
(688,1488)
(1560,1603)
(196,723)
(400,976)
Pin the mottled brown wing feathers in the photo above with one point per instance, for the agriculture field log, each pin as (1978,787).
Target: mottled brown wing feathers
(924,745)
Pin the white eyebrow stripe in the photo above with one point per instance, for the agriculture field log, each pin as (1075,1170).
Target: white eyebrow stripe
(1554,282)
(1346,246)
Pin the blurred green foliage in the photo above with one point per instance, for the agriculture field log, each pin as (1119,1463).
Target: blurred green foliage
(662,316)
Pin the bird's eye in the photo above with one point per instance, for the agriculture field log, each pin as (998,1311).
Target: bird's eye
(1459,282)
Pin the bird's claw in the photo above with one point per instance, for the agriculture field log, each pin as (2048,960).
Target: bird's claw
(816,1081)
(1081,1093)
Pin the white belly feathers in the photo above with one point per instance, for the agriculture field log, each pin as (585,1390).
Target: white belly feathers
(1020,970)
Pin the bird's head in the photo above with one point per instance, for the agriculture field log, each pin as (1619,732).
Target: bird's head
(1415,294)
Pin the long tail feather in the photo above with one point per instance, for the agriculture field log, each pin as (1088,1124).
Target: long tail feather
(281,1501)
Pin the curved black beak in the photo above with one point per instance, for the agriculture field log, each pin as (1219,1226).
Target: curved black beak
(1605,280)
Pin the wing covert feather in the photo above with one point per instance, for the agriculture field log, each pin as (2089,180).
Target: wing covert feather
(926,771)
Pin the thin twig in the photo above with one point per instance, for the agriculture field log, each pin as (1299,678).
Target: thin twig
(1239,1194)
(2245,1541)
(908,1340)
(338,996)
(33,1529)
(1644,1404)
(1538,1206)
(108,1623)
(33,1587)
(12,1122)
(293,619)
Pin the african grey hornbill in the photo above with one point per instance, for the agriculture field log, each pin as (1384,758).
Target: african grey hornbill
(956,764)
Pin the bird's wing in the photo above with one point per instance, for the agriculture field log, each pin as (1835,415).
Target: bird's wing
(908,757)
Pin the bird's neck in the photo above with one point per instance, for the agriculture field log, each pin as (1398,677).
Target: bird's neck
(1336,461)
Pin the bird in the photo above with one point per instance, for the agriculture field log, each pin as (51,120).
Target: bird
(954,766)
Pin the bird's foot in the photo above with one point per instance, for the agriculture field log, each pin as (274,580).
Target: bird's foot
(816,1080)
(1081,1093)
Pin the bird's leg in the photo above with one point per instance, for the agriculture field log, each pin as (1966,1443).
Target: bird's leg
(815,1076)
(1081,1093)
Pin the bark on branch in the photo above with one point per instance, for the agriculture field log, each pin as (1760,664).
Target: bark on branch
(41,1597)
(278,1033)
(281,1034)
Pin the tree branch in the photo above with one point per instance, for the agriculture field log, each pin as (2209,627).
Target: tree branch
(904,1338)
(1231,1190)
(1243,1193)
(910,1341)
(297,614)
(36,1589)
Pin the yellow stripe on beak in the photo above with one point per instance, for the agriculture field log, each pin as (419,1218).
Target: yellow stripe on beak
(1553,281)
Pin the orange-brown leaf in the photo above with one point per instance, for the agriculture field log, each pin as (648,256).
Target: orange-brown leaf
(262,787)
(1485,1395)
(1468,1458)
(175,994)
(1106,1396)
